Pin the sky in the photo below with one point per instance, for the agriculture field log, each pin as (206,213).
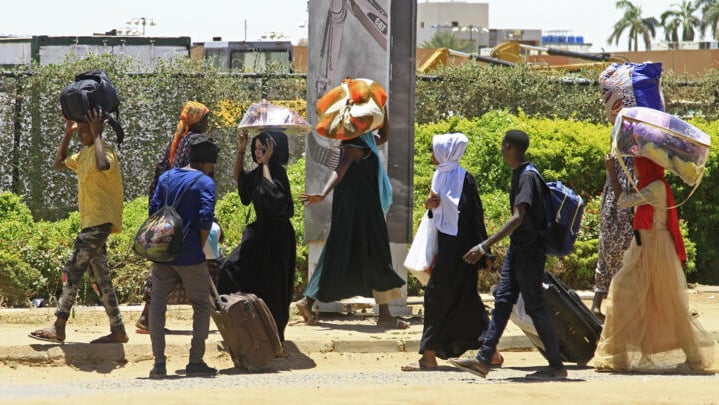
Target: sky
(249,20)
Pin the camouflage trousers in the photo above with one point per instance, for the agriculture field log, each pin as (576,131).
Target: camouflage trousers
(90,255)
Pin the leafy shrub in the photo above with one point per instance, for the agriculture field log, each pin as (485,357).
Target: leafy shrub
(127,269)
(15,278)
(563,149)
(12,208)
(565,118)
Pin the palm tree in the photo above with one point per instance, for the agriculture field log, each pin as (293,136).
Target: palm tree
(671,30)
(636,25)
(681,15)
(445,39)
(710,17)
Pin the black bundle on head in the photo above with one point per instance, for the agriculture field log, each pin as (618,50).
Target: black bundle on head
(281,153)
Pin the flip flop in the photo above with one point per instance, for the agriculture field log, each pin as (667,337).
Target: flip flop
(46,335)
(497,360)
(307,315)
(419,366)
(141,326)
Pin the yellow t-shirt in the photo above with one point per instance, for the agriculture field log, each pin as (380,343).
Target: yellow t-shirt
(100,192)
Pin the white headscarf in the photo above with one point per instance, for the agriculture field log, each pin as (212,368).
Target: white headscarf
(448,180)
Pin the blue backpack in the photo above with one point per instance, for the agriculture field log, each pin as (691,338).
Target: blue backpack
(563,215)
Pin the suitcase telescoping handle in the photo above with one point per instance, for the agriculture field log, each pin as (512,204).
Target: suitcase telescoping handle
(215,300)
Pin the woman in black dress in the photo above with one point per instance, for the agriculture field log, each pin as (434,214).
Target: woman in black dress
(264,262)
(454,315)
(356,258)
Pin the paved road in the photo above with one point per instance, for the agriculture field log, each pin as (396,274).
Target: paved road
(344,378)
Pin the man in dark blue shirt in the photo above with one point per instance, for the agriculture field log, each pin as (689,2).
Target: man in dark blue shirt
(523,268)
(196,208)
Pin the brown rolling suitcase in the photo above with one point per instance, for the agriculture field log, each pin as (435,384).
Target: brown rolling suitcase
(247,328)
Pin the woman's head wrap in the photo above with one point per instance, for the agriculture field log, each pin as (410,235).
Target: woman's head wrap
(648,172)
(448,180)
(192,113)
(281,154)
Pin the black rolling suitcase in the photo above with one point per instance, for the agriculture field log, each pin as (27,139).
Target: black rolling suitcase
(247,327)
(576,328)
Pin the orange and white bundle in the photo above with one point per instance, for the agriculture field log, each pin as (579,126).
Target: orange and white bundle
(351,109)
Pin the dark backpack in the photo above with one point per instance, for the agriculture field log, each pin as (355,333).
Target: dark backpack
(160,237)
(92,89)
(563,209)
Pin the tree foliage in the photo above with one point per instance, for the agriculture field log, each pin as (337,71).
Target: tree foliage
(680,16)
(446,39)
(710,17)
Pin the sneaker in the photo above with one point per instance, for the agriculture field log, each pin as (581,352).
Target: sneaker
(548,373)
(158,371)
(473,366)
(199,369)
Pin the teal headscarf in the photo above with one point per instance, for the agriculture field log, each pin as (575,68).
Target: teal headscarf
(385,187)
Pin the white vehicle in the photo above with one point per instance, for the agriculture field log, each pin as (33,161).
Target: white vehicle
(250,56)
(45,50)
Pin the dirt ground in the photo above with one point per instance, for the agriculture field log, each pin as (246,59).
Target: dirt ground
(318,377)
(336,378)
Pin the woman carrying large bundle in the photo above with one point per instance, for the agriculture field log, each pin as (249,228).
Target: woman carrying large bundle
(356,258)
(648,325)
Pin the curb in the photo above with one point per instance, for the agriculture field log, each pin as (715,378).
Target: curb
(80,354)
(77,354)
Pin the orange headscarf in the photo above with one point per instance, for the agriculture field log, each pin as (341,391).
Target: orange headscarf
(192,113)
(648,172)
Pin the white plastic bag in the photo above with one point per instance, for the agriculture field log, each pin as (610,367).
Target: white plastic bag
(423,252)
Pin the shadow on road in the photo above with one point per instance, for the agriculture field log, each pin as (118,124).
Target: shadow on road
(99,358)
(295,360)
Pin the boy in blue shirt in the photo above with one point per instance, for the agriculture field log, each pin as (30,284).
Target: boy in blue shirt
(197,209)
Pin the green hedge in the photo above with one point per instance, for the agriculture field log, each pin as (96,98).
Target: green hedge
(31,125)
(565,149)
(471,90)
(573,152)
(565,121)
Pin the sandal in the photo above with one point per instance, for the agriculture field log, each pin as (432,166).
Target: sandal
(114,337)
(141,326)
(393,323)
(497,360)
(48,335)
(419,366)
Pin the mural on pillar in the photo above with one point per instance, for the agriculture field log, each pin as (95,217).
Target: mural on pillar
(347,38)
